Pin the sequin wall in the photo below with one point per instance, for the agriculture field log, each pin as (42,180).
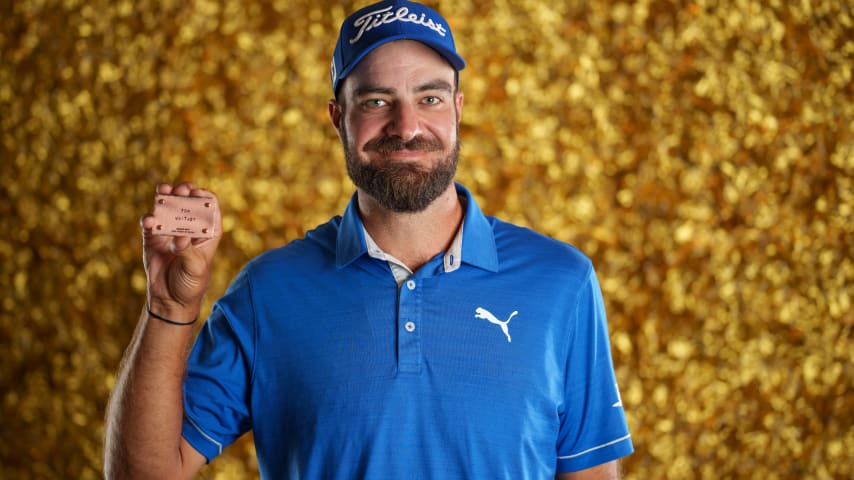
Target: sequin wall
(700,152)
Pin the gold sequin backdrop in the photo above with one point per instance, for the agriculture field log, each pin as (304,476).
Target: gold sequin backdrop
(701,152)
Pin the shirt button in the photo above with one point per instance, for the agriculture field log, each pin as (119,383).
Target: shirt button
(409,326)
(410,284)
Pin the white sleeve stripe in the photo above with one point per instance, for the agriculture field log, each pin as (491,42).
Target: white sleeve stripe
(575,455)
(198,429)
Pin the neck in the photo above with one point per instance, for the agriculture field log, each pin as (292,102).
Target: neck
(413,238)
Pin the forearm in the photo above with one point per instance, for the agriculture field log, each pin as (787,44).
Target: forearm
(144,418)
(606,471)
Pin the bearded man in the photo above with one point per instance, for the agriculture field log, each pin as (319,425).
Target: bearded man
(413,337)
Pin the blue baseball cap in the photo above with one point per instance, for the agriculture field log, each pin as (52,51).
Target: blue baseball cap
(385,22)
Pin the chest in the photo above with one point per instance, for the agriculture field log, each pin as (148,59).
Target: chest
(445,365)
(364,327)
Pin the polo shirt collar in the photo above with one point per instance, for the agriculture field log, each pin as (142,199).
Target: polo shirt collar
(479,248)
(350,243)
(478,239)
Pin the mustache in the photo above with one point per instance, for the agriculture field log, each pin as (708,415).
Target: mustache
(396,144)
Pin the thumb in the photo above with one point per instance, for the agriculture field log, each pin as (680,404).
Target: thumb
(180,244)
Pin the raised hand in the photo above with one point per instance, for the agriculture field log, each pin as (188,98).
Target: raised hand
(178,268)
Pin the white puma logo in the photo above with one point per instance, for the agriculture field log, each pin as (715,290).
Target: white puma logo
(486,315)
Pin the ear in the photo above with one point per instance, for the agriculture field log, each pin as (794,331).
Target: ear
(458,100)
(335,115)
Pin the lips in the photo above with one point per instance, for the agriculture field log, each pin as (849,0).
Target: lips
(389,145)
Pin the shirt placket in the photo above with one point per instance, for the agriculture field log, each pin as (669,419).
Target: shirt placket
(409,323)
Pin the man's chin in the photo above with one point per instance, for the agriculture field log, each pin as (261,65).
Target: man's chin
(405,190)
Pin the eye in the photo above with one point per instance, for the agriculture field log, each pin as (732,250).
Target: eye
(432,100)
(375,103)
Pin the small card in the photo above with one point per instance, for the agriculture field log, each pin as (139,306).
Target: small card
(184,216)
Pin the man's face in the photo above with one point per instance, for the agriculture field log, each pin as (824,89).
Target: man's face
(398,120)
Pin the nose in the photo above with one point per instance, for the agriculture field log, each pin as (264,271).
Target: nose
(404,122)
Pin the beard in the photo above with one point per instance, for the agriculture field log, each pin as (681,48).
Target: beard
(401,187)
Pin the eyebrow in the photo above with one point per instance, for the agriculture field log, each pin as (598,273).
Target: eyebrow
(436,85)
(372,89)
(426,87)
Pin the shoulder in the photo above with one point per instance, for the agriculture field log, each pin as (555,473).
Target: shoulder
(309,252)
(523,246)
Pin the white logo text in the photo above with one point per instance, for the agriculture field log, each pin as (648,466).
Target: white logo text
(368,21)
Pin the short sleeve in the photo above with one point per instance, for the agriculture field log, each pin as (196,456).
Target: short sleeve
(219,374)
(593,427)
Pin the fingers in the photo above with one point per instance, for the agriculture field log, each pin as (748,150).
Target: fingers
(183,188)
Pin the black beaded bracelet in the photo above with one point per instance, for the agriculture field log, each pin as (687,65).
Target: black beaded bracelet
(170,322)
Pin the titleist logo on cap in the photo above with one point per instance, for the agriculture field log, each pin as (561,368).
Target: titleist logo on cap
(385,16)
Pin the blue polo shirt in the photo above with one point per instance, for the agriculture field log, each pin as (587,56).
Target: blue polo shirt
(498,366)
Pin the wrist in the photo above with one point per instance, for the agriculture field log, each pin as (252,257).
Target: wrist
(169,321)
(172,312)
